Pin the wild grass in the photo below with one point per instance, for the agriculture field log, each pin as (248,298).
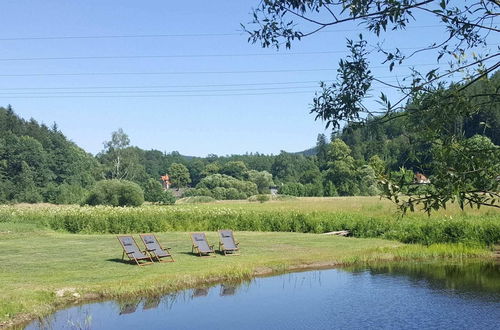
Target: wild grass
(364,217)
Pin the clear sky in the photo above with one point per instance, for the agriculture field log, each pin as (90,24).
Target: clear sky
(192,97)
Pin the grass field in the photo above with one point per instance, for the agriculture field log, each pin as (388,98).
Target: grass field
(37,261)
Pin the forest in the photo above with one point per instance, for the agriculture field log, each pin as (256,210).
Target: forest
(39,164)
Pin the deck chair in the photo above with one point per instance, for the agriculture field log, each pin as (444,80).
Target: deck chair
(132,251)
(201,246)
(154,248)
(227,243)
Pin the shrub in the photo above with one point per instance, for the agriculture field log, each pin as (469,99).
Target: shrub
(262,198)
(154,193)
(222,186)
(69,194)
(292,189)
(115,193)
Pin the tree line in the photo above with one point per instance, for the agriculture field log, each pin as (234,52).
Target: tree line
(39,164)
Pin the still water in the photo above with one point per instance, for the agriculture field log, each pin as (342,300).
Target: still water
(388,296)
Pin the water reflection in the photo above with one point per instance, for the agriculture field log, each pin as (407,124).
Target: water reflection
(465,277)
(200,292)
(129,307)
(151,302)
(228,289)
(390,295)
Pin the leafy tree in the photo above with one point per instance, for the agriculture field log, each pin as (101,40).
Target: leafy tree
(292,189)
(378,165)
(196,167)
(115,148)
(313,189)
(341,169)
(311,176)
(154,193)
(470,27)
(179,175)
(211,168)
(25,185)
(236,169)
(321,151)
(262,179)
(120,160)
(367,181)
(288,167)
(329,189)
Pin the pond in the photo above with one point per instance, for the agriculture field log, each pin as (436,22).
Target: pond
(389,296)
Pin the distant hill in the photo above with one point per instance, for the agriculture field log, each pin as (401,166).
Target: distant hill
(308,152)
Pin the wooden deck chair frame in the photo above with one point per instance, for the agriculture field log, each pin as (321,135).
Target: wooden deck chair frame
(234,252)
(194,247)
(131,257)
(154,255)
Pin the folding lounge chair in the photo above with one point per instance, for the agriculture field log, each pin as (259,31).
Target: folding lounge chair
(132,251)
(200,245)
(227,243)
(154,248)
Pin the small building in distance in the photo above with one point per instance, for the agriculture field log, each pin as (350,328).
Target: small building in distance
(421,179)
(165,179)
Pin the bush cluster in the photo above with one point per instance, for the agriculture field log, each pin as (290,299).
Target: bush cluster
(221,186)
(115,193)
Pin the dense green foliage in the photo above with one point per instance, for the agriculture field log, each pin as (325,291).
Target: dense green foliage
(179,175)
(483,230)
(115,193)
(38,163)
(398,143)
(221,186)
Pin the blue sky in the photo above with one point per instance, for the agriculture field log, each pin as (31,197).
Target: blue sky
(198,104)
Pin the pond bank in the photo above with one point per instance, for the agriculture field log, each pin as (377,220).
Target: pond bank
(85,268)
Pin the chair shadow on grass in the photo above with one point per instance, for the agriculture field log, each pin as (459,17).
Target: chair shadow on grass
(194,254)
(122,261)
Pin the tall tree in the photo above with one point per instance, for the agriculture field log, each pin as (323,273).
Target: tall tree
(262,179)
(115,150)
(121,160)
(179,175)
